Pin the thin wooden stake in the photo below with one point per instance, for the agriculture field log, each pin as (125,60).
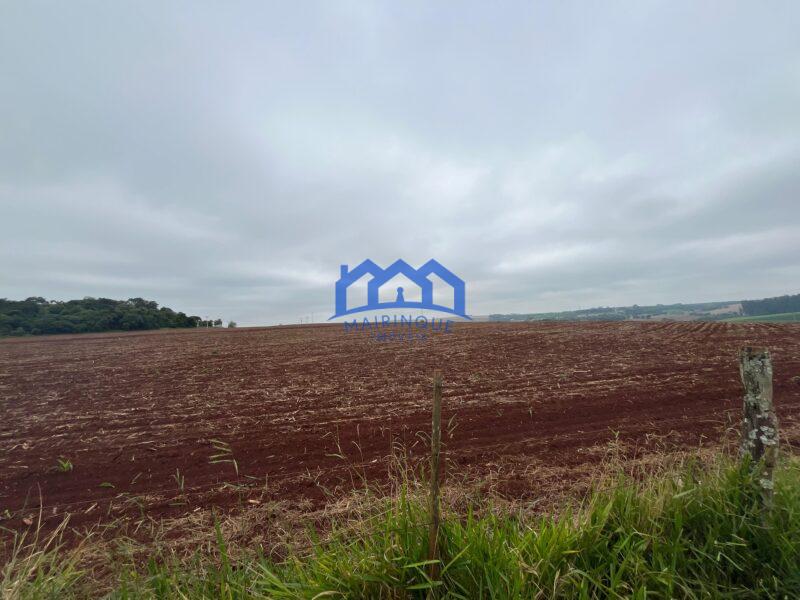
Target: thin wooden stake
(760,424)
(436,445)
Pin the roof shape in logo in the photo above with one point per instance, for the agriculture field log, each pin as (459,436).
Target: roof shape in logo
(399,267)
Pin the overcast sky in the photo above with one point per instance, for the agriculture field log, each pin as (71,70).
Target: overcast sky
(225,160)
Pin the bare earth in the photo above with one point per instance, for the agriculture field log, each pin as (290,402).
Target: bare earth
(297,408)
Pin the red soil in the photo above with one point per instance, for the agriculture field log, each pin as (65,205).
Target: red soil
(299,406)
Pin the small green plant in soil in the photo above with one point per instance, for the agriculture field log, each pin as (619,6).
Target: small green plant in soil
(64,465)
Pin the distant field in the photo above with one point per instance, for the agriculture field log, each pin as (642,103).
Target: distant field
(789,317)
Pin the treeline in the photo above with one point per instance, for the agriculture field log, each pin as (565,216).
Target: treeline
(619,313)
(34,316)
(772,306)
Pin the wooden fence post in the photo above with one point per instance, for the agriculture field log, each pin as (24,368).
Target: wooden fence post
(436,443)
(760,424)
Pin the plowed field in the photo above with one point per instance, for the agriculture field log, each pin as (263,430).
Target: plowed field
(162,423)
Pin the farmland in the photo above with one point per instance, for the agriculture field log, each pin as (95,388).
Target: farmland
(792,317)
(103,426)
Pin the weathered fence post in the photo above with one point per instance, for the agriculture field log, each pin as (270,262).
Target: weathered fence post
(436,443)
(760,424)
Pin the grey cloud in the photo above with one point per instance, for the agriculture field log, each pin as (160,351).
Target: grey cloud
(226,159)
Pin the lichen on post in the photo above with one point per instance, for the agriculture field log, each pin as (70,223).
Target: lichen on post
(760,423)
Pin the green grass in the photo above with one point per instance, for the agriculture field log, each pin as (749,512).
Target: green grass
(696,533)
(776,318)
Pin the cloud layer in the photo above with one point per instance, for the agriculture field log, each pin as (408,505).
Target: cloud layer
(224,161)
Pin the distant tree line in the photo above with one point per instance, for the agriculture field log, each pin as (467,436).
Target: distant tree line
(34,316)
(618,313)
(771,306)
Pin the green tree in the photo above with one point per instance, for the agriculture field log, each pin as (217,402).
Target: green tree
(35,315)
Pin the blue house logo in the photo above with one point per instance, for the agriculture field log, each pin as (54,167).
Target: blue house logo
(381,277)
